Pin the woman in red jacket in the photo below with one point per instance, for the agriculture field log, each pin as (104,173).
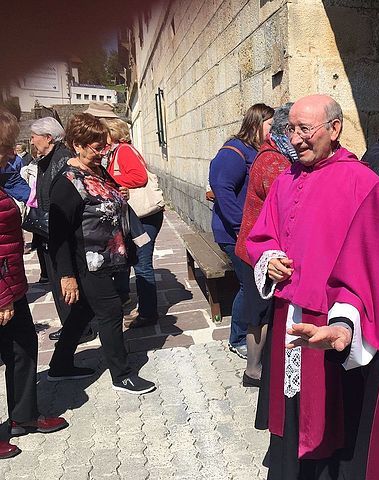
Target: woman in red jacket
(275,155)
(128,169)
(18,338)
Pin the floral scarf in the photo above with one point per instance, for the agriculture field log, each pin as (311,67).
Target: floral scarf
(285,146)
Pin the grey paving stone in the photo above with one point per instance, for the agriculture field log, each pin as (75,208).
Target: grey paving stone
(76,473)
(105,462)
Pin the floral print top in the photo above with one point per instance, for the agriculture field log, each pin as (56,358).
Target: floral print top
(100,211)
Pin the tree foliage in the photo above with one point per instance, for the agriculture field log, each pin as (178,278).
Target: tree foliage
(99,67)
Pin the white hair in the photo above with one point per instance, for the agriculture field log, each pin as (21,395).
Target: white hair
(48,126)
(333,111)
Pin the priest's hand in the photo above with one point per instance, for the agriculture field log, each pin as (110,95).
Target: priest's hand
(321,338)
(279,269)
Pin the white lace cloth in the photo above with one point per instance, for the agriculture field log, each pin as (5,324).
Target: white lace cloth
(292,362)
(266,287)
(292,372)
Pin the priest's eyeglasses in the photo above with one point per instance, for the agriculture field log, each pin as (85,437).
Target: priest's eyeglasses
(304,131)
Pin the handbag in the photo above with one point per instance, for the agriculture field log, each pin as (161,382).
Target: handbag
(145,200)
(37,221)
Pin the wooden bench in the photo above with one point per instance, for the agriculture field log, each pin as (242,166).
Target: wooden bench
(213,263)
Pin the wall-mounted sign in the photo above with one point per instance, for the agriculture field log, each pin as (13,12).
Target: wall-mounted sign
(43,78)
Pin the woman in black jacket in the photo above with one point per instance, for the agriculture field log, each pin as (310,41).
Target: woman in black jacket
(89,226)
(47,137)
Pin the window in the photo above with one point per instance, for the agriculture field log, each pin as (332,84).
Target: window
(93,97)
(86,97)
(78,96)
(140,30)
(147,15)
(161,120)
(109,98)
(173,29)
(101,98)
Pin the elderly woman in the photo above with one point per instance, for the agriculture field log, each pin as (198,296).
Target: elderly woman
(18,339)
(128,169)
(275,155)
(88,244)
(47,137)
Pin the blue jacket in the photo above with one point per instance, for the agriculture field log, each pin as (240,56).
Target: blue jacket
(228,178)
(12,182)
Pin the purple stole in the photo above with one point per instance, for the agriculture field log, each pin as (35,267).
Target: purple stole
(321,422)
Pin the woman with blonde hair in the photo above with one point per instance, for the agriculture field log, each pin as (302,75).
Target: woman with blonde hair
(128,169)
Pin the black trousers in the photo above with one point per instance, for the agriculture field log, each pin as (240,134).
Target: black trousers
(62,308)
(38,244)
(98,296)
(18,350)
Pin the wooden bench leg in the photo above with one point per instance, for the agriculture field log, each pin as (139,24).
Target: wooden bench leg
(213,299)
(190,267)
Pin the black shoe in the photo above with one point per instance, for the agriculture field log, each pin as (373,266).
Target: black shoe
(87,337)
(74,373)
(134,385)
(55,335)
(43,280)
(250,381)
(140,322)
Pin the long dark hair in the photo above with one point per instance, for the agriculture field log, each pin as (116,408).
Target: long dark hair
(251,131)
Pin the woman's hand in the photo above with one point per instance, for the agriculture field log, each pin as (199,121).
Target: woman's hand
(321,338)
(210,196)
(6,314)
(279,269)
(70,290)
(124,192)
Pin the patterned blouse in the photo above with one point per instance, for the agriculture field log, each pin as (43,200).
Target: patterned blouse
(87,213)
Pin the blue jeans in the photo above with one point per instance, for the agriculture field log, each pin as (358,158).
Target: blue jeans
(238,327)
(145,279)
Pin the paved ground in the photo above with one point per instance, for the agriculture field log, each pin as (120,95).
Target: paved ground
(198,424)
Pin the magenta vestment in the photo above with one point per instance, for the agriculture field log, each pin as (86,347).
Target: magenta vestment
(307,214)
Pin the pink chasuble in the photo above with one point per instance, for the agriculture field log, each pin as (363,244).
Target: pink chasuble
(355,280)
(307,215)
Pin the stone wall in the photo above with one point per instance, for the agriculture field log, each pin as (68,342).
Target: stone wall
(65,111)
(213,59)
(334,48)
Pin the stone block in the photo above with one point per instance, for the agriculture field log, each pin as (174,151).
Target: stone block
(307,37)
(303,77)
(252,90)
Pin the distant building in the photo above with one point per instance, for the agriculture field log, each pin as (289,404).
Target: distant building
(56,83)
(192,69)
(81,93)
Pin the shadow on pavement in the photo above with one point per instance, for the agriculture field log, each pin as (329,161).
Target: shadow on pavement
(170,292)
(55,398)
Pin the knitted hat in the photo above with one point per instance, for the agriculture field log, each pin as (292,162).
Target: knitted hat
(101,109)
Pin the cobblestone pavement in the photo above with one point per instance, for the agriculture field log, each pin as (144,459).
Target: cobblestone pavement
(198,424)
